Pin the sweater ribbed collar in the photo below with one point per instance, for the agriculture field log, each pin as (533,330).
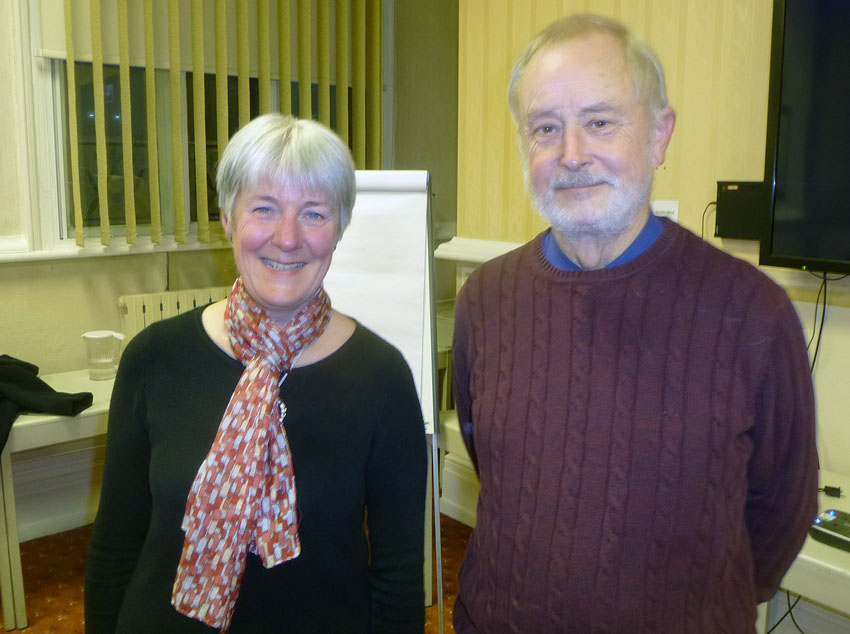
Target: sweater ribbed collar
(671,233)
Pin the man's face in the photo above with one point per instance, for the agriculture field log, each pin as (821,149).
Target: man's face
(589,145)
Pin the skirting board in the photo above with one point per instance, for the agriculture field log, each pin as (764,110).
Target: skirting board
(57,493)
(459,495)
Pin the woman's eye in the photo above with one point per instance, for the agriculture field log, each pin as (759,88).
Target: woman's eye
(314,215)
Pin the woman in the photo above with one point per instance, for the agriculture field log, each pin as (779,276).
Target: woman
(248,440)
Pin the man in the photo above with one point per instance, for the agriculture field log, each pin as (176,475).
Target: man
(637,403)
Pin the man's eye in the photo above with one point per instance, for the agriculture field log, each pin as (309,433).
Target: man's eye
(545,133)
(544,130)
(599,124)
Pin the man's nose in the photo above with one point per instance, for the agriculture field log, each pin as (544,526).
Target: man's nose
(574,149)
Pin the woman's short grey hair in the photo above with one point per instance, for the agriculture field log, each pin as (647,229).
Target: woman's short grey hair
(287,150)
(647,74)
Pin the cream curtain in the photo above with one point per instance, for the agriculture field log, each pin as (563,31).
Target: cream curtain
(334,45)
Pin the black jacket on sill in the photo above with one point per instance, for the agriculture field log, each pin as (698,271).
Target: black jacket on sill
(22,391)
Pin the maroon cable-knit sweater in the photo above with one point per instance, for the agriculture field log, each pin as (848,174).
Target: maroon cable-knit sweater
(645,440)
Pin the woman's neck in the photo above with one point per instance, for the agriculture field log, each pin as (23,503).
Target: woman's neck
(339,329)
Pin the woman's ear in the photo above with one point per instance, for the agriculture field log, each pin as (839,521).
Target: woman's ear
(224,225)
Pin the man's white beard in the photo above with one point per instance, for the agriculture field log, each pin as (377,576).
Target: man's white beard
(623,205)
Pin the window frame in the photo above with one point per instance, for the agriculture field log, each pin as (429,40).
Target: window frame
(45,231)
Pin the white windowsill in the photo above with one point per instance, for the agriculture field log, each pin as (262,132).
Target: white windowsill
(119,247)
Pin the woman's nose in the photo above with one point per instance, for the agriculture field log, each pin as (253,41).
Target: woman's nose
(287,233)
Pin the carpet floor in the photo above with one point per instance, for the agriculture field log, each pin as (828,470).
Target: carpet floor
(54,569)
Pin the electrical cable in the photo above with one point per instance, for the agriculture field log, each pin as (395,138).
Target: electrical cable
(790,607)
(820,329)
(815,320)
(823,289)
(787,612)
(705,211)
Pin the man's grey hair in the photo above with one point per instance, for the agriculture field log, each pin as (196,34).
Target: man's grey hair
(283,149)
(646,71)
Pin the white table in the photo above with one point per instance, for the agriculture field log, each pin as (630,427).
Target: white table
(821,572)
(32,431)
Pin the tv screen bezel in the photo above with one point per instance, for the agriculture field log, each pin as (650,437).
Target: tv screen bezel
(766,255)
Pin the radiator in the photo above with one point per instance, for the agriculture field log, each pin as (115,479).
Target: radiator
(139,311)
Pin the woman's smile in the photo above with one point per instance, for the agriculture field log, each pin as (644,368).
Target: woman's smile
(282,266)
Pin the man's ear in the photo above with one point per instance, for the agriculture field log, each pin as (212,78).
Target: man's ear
(664,124)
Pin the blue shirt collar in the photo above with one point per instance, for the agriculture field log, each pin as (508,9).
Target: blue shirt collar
(649,234)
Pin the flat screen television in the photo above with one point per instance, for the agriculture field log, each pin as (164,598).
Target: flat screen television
(807,162)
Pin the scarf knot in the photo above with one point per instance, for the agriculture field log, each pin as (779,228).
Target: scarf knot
(243,497)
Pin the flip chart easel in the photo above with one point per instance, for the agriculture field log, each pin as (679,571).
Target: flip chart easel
(382,276)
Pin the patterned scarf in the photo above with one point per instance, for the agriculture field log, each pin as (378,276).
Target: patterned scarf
(243,497)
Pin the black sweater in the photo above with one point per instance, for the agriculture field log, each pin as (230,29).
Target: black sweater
(357,438)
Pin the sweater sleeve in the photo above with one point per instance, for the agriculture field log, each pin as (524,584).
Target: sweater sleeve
(461,371)
(396,481)
(782,500)
(125,504)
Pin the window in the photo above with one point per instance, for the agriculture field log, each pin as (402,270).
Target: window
(128,173)
(86,144)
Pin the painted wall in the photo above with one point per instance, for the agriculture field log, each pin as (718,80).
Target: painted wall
(716,59)
(425,104)
(425,112)
(47,305)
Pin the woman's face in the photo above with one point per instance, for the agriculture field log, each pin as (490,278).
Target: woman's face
(283,240)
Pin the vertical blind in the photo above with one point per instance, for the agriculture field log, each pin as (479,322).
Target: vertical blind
(333,47)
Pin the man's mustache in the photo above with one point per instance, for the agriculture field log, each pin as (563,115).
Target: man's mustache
(581,179)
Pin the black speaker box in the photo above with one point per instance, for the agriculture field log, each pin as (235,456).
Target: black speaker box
(742,209)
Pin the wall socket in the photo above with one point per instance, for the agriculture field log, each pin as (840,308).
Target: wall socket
(463,273)
(665,209)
